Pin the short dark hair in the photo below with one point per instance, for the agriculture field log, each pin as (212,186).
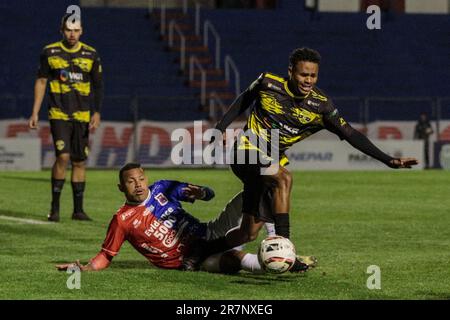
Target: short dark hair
(66,17)
(126,167)
(304,54)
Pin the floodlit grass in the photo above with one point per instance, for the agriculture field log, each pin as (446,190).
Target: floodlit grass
(397,220)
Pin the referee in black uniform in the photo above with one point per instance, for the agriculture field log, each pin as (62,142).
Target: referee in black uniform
(74,74)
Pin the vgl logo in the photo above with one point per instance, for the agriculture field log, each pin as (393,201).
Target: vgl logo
(65,75)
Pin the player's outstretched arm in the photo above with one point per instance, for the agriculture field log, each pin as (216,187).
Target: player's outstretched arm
(195,192)
(363,144)
(240,104)
(398,163)
(99,262)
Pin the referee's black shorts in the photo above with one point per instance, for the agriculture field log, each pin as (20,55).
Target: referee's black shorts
(71,137)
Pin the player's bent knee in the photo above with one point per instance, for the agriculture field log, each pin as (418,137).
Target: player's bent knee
(281,180)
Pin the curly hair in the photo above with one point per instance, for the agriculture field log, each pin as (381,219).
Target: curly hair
(126,167)
(304,54)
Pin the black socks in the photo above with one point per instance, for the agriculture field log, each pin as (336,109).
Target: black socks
(78,192)
(282,224)
(57,186)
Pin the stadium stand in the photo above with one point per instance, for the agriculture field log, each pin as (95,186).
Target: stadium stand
(407,57)
(135,64)
(403,59)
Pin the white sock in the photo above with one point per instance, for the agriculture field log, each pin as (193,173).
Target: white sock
(251,264)
(270,228)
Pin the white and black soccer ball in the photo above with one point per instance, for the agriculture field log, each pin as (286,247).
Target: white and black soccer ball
(276,254)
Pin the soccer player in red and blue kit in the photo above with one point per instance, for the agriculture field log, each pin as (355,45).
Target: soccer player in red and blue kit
(156,225)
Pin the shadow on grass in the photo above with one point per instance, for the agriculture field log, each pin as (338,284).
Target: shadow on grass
(47,180)
(261,279)
(122,265)
(132,264)
(434,295)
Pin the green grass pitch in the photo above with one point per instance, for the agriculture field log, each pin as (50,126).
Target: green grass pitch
(397,220)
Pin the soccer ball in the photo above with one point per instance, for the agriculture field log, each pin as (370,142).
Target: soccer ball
(276,254)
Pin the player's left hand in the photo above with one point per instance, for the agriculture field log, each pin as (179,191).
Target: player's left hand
(95,121)
(64,267)
(194,192)
(398,163)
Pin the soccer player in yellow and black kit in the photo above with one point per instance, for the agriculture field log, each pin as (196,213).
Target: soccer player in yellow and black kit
(74,73)
(297,108)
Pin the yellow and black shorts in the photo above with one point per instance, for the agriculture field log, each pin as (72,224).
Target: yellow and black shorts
(71,137)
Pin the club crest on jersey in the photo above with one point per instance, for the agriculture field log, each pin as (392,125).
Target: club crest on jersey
(59,145)
(161,198)
(304,116)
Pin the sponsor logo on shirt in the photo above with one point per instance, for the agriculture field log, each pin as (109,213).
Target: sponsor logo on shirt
(311,103)
(272,86)
(136,223)
(148,211)
(150,248)
(65,75)
(288,128)
(162,231)
(126,214)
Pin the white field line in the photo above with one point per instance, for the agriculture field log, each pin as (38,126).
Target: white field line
(20,220)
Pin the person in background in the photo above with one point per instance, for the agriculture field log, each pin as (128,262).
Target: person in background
(423,131)
(74,73)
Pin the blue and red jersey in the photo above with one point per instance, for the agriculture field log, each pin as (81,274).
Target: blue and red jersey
(158,228)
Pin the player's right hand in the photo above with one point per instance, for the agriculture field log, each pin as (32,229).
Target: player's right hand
(33,123)
(398,163)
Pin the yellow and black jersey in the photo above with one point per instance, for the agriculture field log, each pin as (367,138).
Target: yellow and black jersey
(75,80)
(275,106)
(296,117)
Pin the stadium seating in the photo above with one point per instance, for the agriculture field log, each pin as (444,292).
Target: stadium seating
(134,61)
(407,57)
